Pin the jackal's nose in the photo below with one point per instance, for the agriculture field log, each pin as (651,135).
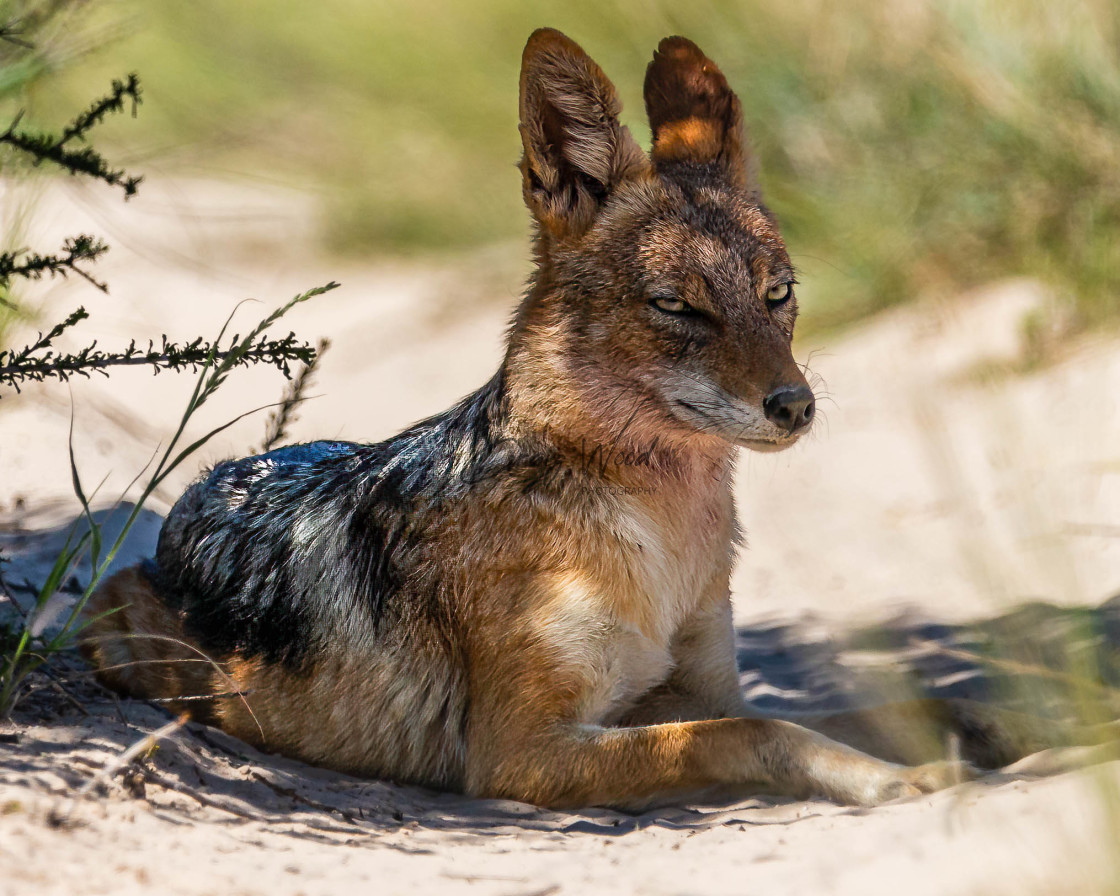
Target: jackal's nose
(790,407)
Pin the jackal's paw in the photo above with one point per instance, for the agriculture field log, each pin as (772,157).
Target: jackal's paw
(927,778)
(875,782)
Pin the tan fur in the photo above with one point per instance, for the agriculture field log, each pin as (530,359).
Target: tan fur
(635,636)
(694,115)
(139,648)
(324,716)
(688,138)
(577,645)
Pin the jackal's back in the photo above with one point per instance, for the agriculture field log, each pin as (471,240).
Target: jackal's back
(306,575)
(277,556)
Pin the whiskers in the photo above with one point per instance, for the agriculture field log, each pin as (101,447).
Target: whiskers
(708,401)
(716,411)
(816,382)
(821,394)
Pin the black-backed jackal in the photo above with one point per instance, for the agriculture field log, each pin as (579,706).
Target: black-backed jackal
(527,596)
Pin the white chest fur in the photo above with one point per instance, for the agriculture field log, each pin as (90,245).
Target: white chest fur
(618,622)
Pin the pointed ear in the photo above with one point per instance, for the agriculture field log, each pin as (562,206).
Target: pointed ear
(576,152)
(693,113)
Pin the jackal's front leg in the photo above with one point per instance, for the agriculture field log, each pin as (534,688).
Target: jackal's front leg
(573,765)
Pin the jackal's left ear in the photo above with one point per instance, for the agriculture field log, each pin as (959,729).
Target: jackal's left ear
(576,152)
(694,115)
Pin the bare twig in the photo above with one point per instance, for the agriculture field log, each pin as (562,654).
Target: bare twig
(141,746)
(277,427)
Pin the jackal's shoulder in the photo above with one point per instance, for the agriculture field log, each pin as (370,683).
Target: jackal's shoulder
(263,554)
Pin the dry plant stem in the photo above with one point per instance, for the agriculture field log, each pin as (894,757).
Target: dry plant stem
(61,815)
(203,800)
(37,362)
(153,777)
(202,658)
(279,419)
(214,370)
(35,267)
(293,794)
(141,746)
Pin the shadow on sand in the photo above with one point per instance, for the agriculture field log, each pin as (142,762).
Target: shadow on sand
(1060,664)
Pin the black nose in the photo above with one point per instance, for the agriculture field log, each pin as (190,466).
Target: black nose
(790,407)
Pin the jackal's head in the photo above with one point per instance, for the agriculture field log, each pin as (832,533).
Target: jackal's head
(662,276)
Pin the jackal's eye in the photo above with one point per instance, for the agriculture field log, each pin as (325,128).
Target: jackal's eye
(671,304)
(778,294)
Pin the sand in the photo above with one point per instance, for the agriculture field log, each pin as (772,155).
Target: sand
(935,498)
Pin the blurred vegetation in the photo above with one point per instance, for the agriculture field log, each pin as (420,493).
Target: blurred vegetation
(21,63)
(27,53)
(908,146)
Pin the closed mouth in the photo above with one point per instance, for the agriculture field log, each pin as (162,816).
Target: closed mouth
(766,445)
(693,408)
(719,427)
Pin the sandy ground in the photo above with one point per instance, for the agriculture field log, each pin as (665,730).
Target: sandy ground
(930,494)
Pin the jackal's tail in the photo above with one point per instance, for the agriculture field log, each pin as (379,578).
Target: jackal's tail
(138,646)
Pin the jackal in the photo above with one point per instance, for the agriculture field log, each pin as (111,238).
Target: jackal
(527,596)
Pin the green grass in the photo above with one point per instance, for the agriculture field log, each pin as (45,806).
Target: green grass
(24,651)
(907,147)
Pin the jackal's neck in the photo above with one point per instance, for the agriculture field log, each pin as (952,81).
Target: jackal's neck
(602,423)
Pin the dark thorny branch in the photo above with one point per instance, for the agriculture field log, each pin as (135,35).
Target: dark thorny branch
(277,427)
(26,647)
(84,160)
(38,361)
(33,648)
(33,266)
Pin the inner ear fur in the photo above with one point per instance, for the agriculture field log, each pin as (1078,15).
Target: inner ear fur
(575,151)
(693,113)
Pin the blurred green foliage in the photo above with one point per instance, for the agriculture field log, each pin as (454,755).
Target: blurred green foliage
(907,146)
(30,47)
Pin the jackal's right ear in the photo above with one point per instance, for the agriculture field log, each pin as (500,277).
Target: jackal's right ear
(576,152)
(694,115)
